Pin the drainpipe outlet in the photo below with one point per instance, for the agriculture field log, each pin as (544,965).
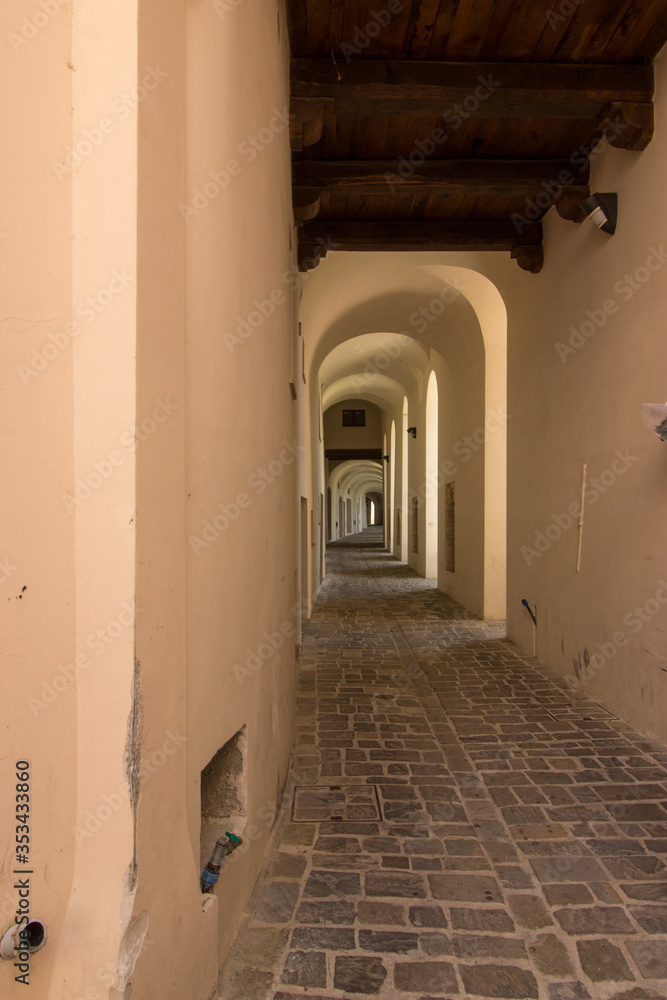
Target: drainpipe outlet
(17,941)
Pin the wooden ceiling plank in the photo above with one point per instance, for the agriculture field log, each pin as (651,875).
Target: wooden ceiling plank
(352,22)
(523,31)
(593,26)
(372,141)
(558,23)
(336,24)
(420,31)
(507,90)
(466,140)
(395,138)
(648,20)
(390,40)
(318,27)
(345,127)
(297,26)
(502,11)
(470,29)
(327,143)
(400,204)
(442,29)
(648,48)
(338,205)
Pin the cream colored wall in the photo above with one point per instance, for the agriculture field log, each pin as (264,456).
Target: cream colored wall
(125,433)
(337,436)
(69,391)
(586,408)
(237,491)
(353,295)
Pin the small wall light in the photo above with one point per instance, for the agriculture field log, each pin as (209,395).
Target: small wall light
(602,209)
(412,431)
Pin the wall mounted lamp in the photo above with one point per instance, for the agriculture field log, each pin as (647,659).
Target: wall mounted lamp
(412,431)
(602,209)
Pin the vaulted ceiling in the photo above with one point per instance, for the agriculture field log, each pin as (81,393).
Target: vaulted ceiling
(457,124)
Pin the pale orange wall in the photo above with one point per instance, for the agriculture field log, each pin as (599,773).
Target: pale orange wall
(229,524)
(166,410)
(581,403)
(337,436)
(38,574)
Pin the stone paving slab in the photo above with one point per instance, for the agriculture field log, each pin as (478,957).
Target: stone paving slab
(459,822)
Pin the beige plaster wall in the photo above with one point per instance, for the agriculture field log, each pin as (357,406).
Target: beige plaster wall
(337,436)
(229,526)
(69,371)
(138,409)
(580,403)
(449,317)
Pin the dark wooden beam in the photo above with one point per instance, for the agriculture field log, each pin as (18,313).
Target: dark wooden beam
(306,204)
(315,238)
(523,178)
(480,90)
(568,203)
(529,258)
(628,126)
(345,454)
(306,122)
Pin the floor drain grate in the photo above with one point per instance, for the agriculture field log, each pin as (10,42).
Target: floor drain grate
(335,803)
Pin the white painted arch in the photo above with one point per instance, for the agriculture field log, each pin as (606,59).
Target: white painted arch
(391,319)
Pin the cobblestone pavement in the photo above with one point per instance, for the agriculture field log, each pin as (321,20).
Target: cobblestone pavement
(458,823)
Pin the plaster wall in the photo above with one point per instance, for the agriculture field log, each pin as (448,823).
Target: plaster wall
(234,611)
(68,377)
(152,443)
(337,436)
(575,398)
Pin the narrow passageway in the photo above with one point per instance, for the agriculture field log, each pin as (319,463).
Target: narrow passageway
(458,822)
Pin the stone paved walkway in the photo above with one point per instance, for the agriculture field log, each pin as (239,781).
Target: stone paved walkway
(459,823)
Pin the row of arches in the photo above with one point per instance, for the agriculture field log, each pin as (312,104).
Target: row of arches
(423,346)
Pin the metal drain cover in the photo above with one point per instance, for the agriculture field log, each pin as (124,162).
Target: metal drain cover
(319,803)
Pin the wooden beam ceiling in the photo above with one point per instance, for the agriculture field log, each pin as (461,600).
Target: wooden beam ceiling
(493,177)
(483,90)
(319,236)
(460,126)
